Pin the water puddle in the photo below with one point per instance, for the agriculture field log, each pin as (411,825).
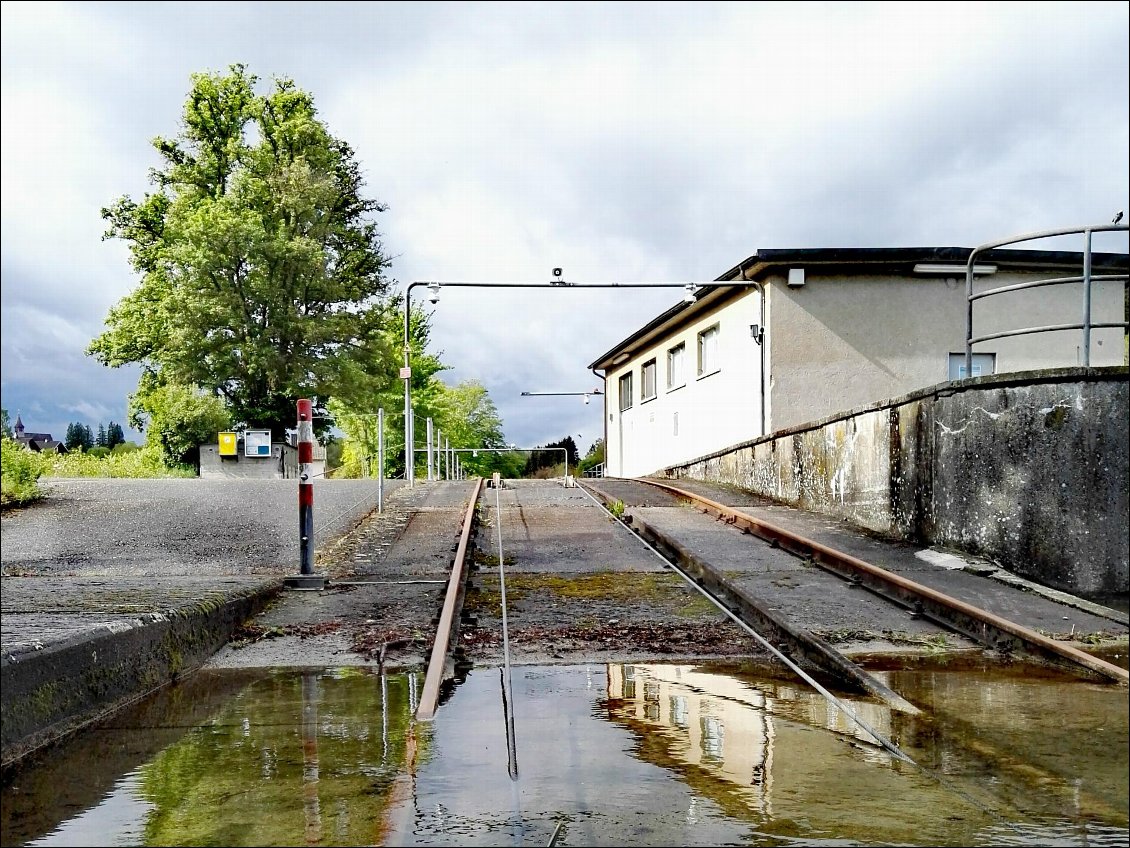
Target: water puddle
(651,754)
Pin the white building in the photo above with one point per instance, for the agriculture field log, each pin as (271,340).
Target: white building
(789,337)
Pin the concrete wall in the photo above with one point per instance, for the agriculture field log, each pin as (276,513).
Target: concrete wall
(1030,470)
(281,464)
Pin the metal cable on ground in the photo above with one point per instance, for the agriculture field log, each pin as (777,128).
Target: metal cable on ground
(507,684)
(836,702)
(832,699)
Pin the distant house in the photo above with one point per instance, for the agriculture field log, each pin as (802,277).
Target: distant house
(789,337)
(39,442)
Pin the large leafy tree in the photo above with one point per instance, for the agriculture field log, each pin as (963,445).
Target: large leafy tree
(262,276)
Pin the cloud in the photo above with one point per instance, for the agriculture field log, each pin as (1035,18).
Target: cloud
(620,141)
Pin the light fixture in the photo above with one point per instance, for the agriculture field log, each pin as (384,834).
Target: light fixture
(620,358)
(690,296)
(434,289)
(586,400)
(953,270)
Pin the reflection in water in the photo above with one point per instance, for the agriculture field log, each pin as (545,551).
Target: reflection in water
(637,754)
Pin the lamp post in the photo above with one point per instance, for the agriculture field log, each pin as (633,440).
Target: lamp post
(691,293)
(586,395)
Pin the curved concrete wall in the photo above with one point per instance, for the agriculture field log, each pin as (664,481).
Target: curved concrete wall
(1027,469)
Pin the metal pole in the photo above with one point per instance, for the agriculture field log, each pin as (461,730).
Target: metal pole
(380,460)
(306,579)
(1087,300)
(305,485)
(431,463)
(406,374)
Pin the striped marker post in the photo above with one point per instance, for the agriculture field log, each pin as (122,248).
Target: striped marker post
(306,578)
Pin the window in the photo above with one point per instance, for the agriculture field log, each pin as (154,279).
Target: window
(708,351)
(676,366)
(983,364)
(626,391)
(647,380)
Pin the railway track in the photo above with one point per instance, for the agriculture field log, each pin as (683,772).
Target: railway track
(954,614)
(750,567)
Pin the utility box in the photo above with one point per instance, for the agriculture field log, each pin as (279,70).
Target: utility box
(257,443)
(229,444)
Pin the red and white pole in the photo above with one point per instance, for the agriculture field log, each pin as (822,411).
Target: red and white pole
(306,485)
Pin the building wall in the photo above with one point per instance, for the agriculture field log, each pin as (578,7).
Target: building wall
(704,413)
(839,342)
(1029,470)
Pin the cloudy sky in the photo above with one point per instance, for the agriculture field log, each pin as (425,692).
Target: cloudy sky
(623,142)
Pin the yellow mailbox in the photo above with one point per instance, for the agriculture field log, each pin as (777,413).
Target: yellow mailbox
(228,445)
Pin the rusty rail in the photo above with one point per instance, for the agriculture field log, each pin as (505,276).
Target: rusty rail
(978,624)
(437,663)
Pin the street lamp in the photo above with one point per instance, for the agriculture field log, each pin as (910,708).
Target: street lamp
(692,290)
(586,395)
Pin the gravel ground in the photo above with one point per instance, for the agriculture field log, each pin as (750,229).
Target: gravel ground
(94,527)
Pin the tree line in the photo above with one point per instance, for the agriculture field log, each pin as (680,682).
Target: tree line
(80,437)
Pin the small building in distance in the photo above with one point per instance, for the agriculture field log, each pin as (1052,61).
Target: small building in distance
(792,336)
(241,456)
(39,442)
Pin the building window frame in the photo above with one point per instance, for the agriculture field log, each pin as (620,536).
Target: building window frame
(676,366)
(708,357)
(647,380)
(625,386)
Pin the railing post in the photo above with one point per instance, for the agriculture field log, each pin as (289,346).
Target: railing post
(1087,299)
(306,578)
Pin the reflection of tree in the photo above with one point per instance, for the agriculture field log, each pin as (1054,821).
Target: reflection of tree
(273,757)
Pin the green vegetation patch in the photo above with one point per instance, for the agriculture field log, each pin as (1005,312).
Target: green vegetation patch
(20,470)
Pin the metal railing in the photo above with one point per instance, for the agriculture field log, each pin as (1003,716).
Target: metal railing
(1086,278)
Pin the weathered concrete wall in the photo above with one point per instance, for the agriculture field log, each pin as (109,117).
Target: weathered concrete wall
(281,464)
(1030,470)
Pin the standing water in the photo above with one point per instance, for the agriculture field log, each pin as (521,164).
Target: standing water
(647,754)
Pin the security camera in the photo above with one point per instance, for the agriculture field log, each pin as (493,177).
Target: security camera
(557,272)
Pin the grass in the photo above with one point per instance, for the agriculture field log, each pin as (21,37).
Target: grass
(144,463)
(22,469)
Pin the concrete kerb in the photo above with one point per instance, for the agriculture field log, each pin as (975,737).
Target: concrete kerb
(53,688)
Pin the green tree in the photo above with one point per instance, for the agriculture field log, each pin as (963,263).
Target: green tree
(177,419)
(114,435)
(5,424)
(555,454)
(100,439)
(593,458)
(356,417)
(262,276)
(78,437)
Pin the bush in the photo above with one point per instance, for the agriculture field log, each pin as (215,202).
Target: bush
(21,469)
(143,462)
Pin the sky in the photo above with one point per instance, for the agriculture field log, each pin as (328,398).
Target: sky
(620,142)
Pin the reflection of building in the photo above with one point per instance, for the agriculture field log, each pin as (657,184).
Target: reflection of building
(726,735)
(39,442)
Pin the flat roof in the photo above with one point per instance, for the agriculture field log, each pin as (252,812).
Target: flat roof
(890,260)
